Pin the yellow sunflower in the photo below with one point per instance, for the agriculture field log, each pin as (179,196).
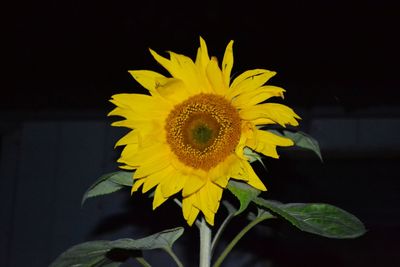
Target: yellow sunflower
(190,132)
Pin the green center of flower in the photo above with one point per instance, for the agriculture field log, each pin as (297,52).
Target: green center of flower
(203,130)
(202,134)
(200,130)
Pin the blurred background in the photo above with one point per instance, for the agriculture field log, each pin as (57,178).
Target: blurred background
(338,61)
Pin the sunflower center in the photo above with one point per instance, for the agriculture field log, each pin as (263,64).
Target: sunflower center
(202,134)
(200,130)
(203,130)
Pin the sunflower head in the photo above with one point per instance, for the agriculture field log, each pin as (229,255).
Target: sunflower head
(189,132)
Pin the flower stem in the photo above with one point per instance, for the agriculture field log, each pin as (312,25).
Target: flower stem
(143,262)
(230,246)
(205,244)
(220,231)
(174,257)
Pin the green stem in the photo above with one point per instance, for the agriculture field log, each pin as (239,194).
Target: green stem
(205,244)
(174,257)
(143,262)
(230,246)
(220,231)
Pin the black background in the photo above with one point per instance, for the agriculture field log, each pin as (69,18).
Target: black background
(73,55)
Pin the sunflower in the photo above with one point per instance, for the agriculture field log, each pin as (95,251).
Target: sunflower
(189,133)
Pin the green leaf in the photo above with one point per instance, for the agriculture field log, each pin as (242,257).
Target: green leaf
(261,213)
(112,264)
(97,253)
(301,140)
(252,156)
(87,254)
(244,193)
(163,240)
(122,178)
(108,183)
(321,219)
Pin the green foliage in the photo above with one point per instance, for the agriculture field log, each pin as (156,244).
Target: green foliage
(252,156)
(261,214)
(87,254)
(244,193)
(301,140)
(113,253)
(108,183)
(321,219)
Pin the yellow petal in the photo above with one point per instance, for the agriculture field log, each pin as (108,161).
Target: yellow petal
(129,151)
(173,182)
(130,138)
(215,77)
(254,181)
(147,154)
(186,206)
(221,173)
(174,91)
(166,63)
(209,218)
(139,104)
(133,101)
(268,137)
(265,142)
(154,164)
(125,123)
(192,184)
(137,184)
(279,113)
(237,169)
(214,194)
(126,167)
(158,198)
(188,73)
(227,63)
(254,97)
(123,112)
(138,118)
(240,147)
(222,181)
(202,57)
(182,68)
(193,215)
(218,171)
(250,80)
(262,121)
(190,212)
(206,205)
(148,79)
(152,180)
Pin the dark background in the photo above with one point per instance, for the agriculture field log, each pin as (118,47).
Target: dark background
(338,61)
